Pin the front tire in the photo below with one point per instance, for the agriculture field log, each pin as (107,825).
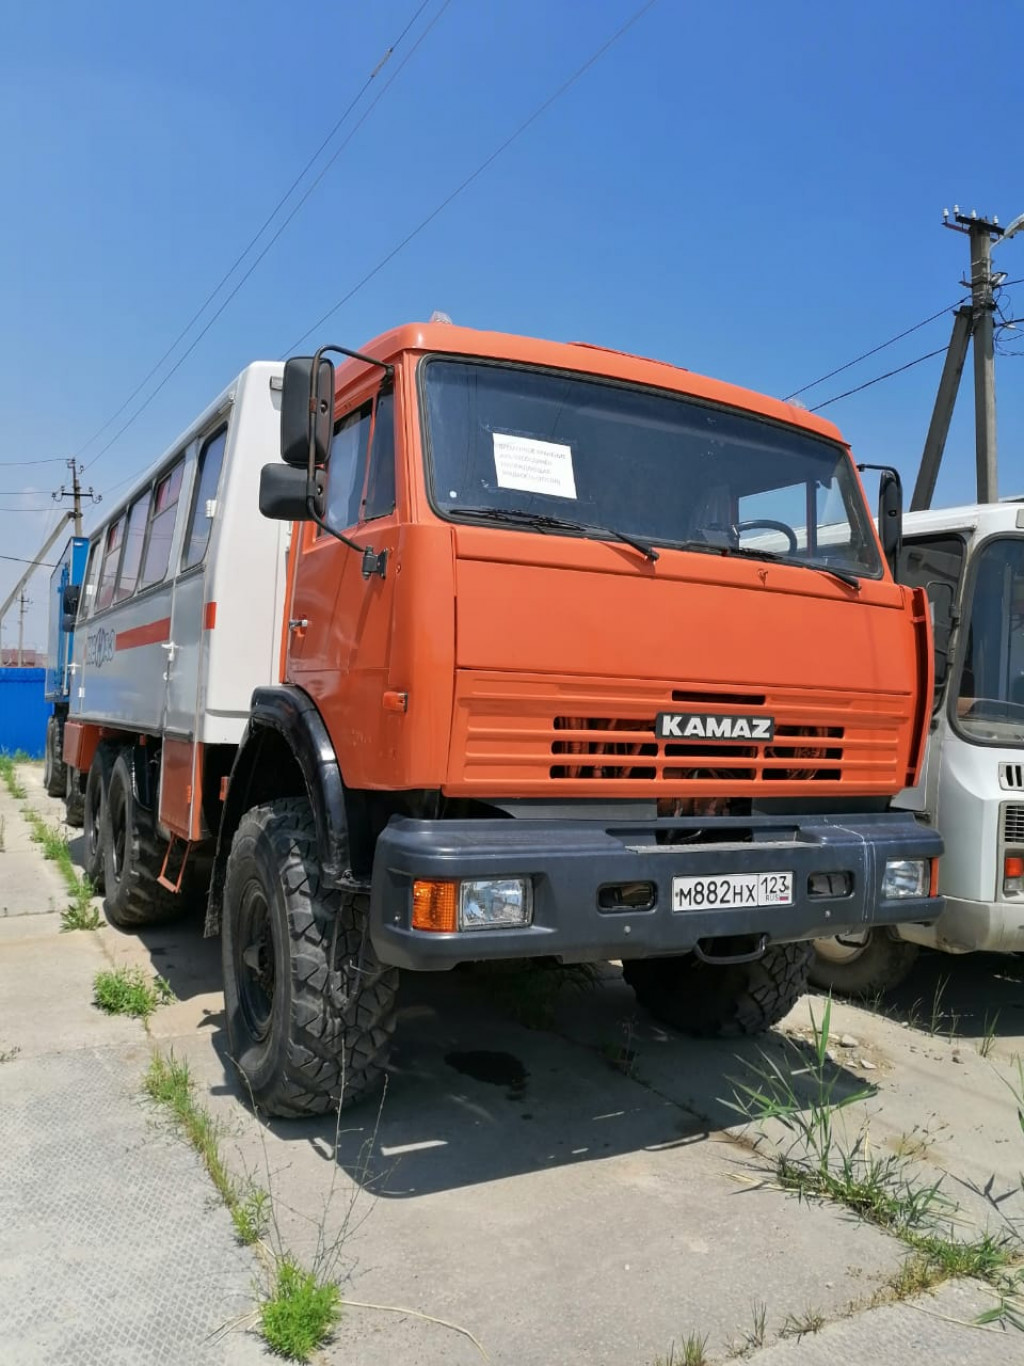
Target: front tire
(133,856)
(310,1009)
(873,963)
(721,1001)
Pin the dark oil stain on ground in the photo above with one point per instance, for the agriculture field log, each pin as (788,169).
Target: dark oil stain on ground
(499,1069)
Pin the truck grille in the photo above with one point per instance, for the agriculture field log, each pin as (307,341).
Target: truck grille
(521,734)
(1013,823)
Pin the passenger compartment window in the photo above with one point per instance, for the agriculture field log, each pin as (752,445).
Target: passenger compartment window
(345,468)
(934,565)
(161,527)
(204,499)
(111,559)
(134,543)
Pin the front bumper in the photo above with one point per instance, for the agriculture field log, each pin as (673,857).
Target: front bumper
(570,861)
(972,927)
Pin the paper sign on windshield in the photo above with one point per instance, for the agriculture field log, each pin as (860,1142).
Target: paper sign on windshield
(533,466)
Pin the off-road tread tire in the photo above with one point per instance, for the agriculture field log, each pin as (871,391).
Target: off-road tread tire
(715,1001)
(74,798)
(94,862)
(54,769)
(138,898)
(884,964)
(332,1030)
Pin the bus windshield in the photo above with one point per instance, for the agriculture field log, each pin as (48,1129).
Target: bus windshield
(519,444)
(990,704)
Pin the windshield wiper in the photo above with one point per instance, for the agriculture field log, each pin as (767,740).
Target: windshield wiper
(542,520)
(849,579)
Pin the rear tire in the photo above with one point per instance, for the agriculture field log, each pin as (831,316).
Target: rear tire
(879,964)
(134,855)
(54,770)
(74,797)
(715,1001)
(93,813)
(310,1009)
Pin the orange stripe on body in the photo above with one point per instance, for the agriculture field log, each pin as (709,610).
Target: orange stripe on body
(153,633)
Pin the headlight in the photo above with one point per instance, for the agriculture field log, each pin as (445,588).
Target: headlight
(489,903)
(905,877)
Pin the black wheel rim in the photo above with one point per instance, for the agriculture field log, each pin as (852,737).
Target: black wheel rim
(254,962)
(118,829)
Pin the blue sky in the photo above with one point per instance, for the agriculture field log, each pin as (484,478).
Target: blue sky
(749,190)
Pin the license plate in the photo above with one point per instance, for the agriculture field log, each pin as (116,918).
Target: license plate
(732,889)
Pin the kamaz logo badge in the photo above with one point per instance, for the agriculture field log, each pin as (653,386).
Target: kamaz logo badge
(687,725)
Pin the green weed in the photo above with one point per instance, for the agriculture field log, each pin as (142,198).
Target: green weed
(9,1054)
(125,991)
(819,1161)
(800,1325)
(300,1312)
(169,1084)
(81,914)
(693,1352)
(9,774)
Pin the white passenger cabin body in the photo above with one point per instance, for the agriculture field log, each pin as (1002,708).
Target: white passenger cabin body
(972,783)
(182,609)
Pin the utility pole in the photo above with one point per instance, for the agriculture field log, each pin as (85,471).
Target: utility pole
(23,603)
(76,494)
(974,321)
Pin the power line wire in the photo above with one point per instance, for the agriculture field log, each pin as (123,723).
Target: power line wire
(857,359)
(541,109)
(878,379)
(18,464)
(252,242)
(19,559)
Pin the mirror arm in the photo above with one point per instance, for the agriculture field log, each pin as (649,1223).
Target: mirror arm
(374,561)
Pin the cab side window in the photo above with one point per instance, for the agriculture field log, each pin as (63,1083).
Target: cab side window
(346,465)
(380,481)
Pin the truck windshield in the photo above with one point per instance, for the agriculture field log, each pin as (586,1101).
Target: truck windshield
(990,703)
(666,470)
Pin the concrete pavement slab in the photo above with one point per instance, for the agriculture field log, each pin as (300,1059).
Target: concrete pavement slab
(935,1328)
(28,884)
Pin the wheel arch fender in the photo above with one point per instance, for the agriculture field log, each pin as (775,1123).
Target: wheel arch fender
(286,750)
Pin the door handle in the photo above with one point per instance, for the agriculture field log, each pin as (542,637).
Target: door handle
(298,623)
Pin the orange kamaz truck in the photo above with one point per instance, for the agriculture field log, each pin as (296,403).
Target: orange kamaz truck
(540,651)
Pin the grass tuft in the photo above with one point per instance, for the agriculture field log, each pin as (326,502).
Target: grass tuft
(9,774)
(299,1312)
(168,1082)
(820,1162)
(81,914)
(125,991)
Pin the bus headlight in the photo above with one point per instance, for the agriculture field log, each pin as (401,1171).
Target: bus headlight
(905,877)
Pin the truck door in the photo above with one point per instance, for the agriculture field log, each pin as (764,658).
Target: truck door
(339,628)
(184,649)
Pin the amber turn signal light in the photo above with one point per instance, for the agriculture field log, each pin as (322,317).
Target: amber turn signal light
(435,905)
(1013,867)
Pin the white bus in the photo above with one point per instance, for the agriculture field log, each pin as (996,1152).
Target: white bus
(971,562)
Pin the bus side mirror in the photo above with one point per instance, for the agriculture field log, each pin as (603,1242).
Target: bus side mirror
(70,600)
(890,518)
(305,413)
(284,494)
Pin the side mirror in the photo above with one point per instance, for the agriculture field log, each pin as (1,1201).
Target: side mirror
(284,493)
(299,413)
(71,598)
(890,517)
